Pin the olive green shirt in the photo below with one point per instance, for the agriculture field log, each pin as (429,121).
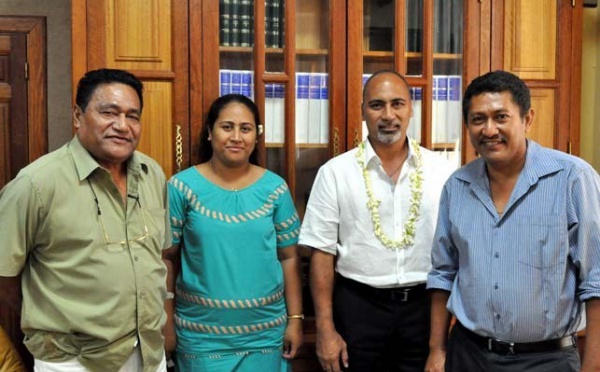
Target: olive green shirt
(93,281)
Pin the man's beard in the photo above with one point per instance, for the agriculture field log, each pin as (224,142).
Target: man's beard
(389,138)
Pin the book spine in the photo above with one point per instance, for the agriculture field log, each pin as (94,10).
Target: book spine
(276,24)
(314,107)
(417,112)
(225,22)
(235,23)
(224,82)
(236,82)
(246,84)
(269,112)
(454,108)
(279,113)
(324,98)
(246,23)
(302,86)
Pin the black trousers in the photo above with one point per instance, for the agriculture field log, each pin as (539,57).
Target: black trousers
(465,355)
(385,330)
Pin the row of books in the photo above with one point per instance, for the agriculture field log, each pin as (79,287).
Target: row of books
(446,109)
(312,104)
(236,23)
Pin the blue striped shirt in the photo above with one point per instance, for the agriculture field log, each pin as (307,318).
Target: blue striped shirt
(522,276)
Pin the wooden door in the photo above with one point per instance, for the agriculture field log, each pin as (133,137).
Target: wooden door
(539,41)
(150,39)
(13,106)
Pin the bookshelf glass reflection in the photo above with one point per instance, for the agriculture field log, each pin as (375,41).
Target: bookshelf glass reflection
(274,131)
(312,94)
(446,129)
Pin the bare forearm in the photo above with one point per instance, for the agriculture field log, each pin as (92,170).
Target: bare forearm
(440,320)
(292,282)
(322,276)
(10,295)
(591,360)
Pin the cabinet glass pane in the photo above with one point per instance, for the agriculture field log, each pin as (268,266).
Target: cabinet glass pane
(274,130)
(378,34)
(447,78)
(311,78)
(236,40)
(274,35)
(413,28)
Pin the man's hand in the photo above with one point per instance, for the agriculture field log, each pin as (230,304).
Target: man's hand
(331,347)
(436,360)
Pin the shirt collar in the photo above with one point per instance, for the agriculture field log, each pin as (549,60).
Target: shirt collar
(85,164)
(371,155)
(538,163)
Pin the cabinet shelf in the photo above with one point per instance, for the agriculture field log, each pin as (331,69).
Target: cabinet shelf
(274,145)
(249,50)
(386,55)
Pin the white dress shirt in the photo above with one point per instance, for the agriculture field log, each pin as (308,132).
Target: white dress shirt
(337,220)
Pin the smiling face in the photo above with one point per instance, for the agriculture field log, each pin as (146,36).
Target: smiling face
(233,136)
(109,128)
(386,109)
(497,130)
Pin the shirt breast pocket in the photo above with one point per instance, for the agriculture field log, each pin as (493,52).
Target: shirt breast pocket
(540,242)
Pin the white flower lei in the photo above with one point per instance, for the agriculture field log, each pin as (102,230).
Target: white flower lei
(416,195)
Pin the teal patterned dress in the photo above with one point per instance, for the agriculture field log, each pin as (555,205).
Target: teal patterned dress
(230,310)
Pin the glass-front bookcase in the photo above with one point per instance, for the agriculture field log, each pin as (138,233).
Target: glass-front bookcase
(423,40)
(278,52)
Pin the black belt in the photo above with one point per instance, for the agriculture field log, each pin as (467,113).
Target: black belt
(511,348)
(400,294)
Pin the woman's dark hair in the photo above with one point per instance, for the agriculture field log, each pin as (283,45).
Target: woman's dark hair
(497,82)
(216,107)
(92,79)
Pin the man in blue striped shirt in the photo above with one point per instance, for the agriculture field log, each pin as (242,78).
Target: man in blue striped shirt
(517,247)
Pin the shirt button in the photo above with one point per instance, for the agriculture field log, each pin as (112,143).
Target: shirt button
(497,316)
(496,254)
(135,258)
(496,286)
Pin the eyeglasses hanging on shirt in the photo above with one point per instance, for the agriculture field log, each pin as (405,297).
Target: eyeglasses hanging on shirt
(119,245)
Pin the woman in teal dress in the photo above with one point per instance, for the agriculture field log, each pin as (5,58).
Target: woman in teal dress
(234,265)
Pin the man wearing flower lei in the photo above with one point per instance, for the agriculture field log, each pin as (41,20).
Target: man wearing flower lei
(517,246)
(370,222)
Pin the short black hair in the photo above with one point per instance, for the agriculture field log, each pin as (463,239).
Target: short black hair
(216,107)
(497,82)
(381,72)
(92,79)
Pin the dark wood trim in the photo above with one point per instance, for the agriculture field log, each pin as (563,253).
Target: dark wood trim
(337,71)
(181,83)
(575,69)
(290,94)
(35,30)
(196,66)
(355,68)
(426,105)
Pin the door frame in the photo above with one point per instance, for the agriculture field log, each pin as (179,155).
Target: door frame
(34,29)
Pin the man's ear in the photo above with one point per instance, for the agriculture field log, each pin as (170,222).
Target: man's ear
(528,120)
(77,113)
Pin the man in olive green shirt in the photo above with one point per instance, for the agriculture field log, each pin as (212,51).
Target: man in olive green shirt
(82,230)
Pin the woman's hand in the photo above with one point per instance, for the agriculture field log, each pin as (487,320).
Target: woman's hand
(293,339)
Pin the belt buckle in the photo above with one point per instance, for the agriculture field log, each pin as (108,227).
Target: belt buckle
(501,345)
(401,296)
